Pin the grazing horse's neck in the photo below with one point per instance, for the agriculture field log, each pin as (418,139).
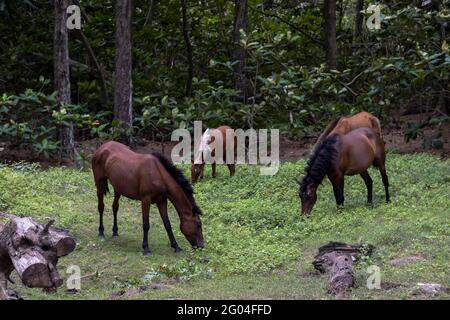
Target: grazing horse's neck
(179,199)
(322,160)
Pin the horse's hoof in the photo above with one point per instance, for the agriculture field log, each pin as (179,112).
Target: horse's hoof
(178,250)
(115,236)
(101,236)
(147,253)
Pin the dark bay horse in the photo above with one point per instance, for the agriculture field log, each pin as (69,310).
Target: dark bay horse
(344,125)
(198,166)
(150,178)
(342,155)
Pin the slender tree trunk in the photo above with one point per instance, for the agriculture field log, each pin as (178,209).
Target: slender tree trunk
(341,13)
(96,65)
(239,53)
(330,33)
(62,74)
(149,18)
(187,42)
(123,110)
(358,19)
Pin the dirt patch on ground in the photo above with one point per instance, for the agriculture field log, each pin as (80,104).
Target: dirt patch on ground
(390,285)
(132,292)
(404,261)
(290,149)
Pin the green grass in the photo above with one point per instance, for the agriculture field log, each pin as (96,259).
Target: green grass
(257,244)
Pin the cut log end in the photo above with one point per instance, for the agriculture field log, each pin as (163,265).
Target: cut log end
(37,276)
(65,246)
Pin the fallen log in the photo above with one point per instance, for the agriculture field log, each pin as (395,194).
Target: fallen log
(338,259)
(33,250)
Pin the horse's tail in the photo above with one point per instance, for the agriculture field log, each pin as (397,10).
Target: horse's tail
(327,131)
(181,180)
(101,181)
(376,125)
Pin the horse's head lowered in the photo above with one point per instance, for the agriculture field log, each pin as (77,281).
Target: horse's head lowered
(197,171)
(191,227)
(308,195)
(317,168)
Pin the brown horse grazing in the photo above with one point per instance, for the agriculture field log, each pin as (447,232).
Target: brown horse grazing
(343,155)
(344,125)
(198,167)
(150,179)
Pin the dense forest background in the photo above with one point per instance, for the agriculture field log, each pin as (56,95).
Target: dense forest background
(286,64)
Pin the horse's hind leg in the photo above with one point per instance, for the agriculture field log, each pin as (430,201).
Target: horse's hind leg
(380,163)
(115,208)
(385,180)
(145,203)
(101,190)
(368,181)
(162,207)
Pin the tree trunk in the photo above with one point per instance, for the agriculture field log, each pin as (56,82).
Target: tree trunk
(185,29)
(358,19)
(62,74)
(123,110)
(33,251)
(239,53)
(337,260)
(330,33)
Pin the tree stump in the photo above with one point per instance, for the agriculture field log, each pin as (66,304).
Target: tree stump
(33,251)
(337,259)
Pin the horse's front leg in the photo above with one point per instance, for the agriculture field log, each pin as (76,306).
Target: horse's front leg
(338,189)
(145,203)
(115,208)
(162,207)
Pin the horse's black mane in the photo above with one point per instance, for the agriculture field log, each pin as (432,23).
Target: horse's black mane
(319,162)
(182,181)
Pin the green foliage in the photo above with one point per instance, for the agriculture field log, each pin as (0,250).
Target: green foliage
(403,65)
(32,119)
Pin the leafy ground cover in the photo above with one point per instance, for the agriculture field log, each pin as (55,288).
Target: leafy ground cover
(257,244)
